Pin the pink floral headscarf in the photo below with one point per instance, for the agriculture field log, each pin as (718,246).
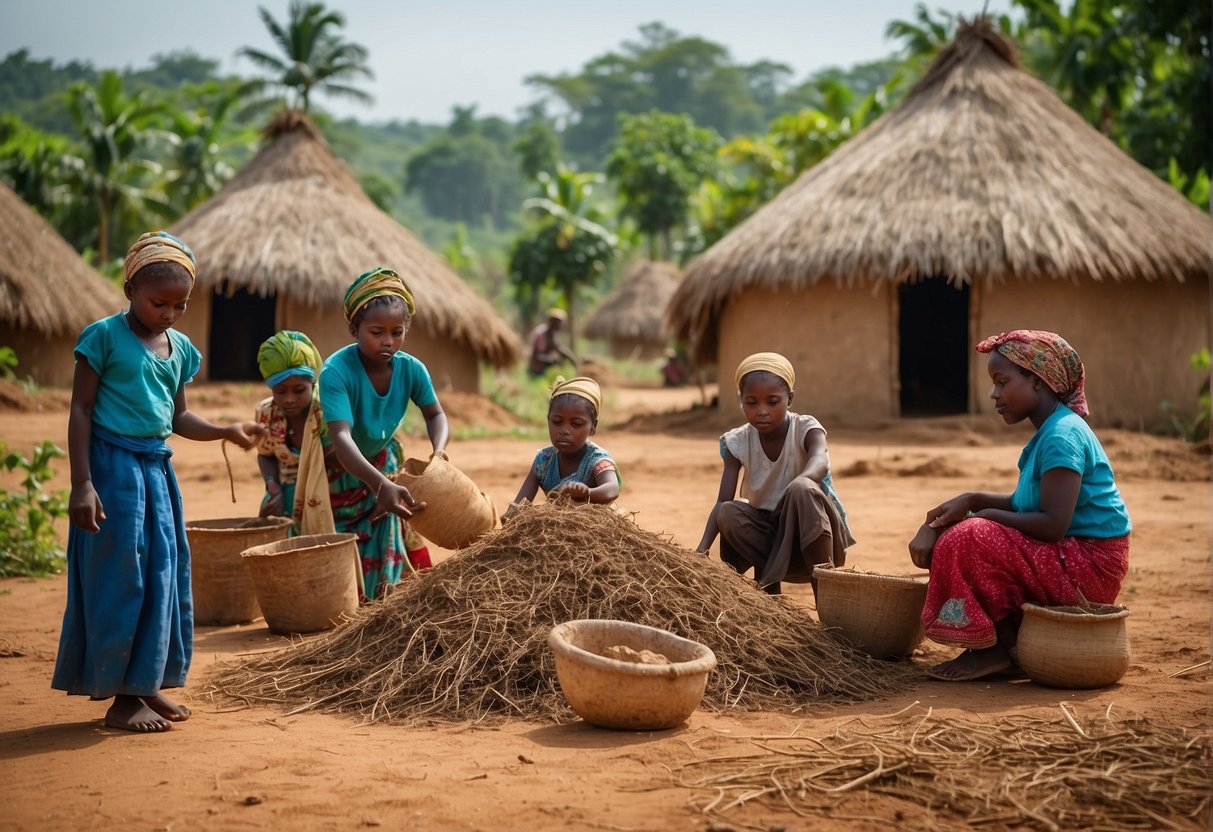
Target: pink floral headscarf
(1049,356)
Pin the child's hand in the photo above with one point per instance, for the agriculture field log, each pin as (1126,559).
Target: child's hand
(244,434)
(273,506)
(923,545)
(395,499)
(84,507)
(576,491)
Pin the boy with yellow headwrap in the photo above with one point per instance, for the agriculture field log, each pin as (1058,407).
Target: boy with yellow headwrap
(291,451)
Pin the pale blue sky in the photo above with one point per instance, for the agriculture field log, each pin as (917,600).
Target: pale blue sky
(429,55)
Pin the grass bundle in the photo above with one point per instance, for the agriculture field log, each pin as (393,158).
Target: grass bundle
(1016,771)
(468,638)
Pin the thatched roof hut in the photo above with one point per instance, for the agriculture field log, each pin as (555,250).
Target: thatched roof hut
(632,317)
(47,293)
(278,246)
(982,203)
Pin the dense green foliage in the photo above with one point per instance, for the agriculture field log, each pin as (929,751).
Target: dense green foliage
(692,140)
(28,545)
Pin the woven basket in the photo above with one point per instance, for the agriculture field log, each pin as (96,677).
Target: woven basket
(878,614)
(1074,647)
(223,589)
(456,511)
(306,583)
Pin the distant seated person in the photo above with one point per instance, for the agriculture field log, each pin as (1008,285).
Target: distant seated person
(546,351)
(674,369)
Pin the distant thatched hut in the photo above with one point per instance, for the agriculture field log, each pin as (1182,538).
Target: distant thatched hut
(632,317)
(278,246)
(982,203)
(47,293)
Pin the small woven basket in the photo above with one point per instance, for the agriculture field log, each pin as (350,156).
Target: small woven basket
(223,589)
(1074,647)
(456,511)
(878,614)
(306,583)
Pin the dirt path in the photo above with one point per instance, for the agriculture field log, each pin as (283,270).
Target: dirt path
(256,768)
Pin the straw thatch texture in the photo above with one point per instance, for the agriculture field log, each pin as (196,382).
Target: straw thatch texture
(468,638)
(635,309)
(294,221)
(44,285)
(981,174)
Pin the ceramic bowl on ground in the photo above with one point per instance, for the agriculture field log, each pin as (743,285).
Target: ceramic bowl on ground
(878,614)
(629,695)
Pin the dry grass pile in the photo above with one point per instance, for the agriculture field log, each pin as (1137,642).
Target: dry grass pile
(468,638)
(1019,771)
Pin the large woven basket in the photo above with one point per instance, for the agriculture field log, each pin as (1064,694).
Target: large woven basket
(878,614)
(306,583)
(223,589)
(1074,647)
(456,511)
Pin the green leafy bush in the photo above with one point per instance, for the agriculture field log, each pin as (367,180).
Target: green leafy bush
(28,545)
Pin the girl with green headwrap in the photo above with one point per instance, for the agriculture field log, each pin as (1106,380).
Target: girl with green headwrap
(292,449)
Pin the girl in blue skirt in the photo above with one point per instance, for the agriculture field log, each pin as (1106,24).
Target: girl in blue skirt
(129,625)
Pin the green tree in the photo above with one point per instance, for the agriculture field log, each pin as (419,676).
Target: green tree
(566,248)
(313,57)
(195,168)
(538,149)
(660,159)
(31,163)
(116,132)
(463,178)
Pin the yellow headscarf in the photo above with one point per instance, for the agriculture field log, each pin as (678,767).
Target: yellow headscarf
(377,283)
(158,247)
(285,354)
(767,362)
(586,388)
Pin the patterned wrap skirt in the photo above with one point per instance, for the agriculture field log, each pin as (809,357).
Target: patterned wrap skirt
(983,572)
(129,623)
(383,544)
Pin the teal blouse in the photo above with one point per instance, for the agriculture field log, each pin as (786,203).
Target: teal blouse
(138,388)
(1065,440)
(346,395)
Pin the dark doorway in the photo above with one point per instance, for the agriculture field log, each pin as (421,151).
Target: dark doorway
(238,326)
(934,333)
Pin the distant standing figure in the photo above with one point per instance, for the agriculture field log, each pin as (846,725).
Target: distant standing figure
(546,351)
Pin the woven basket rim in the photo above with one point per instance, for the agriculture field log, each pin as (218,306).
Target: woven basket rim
(300,543)
(1093,612)
(212,525)
(870,578)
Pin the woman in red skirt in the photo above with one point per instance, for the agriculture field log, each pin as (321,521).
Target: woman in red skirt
(1061,538)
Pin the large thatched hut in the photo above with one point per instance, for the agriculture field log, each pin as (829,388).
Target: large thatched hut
(47,294)
(631,319)
(280,243)
(982,203)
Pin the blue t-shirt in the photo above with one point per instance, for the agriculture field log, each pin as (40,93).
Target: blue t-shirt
(347,395)
(1065,440)
(138,388)
(594,461)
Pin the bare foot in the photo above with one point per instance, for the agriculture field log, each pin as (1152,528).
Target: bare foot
(128,713)
(166,707)
(973,664)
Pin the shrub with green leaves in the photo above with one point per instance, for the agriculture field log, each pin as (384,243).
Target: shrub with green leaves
(28,545)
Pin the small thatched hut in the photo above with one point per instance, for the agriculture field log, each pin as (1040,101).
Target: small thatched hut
(280,243)
(47,294)
(631,319)
(982,203)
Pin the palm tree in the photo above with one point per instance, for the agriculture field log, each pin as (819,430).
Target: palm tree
(116,132)
(566,246)
(314,57)
(195,169)
(923,36)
